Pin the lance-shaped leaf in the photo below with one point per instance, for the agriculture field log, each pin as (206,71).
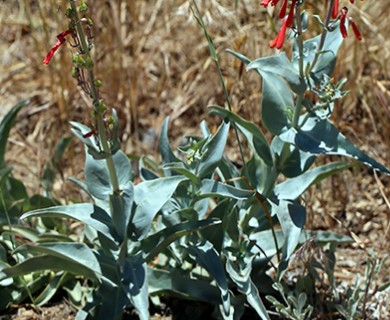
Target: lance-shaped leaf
(83,133)
(324,237)
(260,176)
(252,133)
(149,197)
(54,262)
(297,161)
(292,219)
(136,285)
(321,136)
(165,149)
(156,243)
(277,104)
(239,272)
(213,188)
(293,188)
(207,257)
(5,127)
(281,66)
(52,288)
(212,151)
(97,176)
(87,213)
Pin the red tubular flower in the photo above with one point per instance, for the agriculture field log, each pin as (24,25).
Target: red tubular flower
(265,3)
(279,40)
(283,9)
(290,17)
(355,30)
(89,134)
(335,11)
(343,16)
(352,1)
(61,39)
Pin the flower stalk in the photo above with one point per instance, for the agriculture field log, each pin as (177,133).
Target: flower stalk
(84,50)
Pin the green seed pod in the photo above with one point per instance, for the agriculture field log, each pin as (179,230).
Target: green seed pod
(83,7)
(102,108)
(98,83)
(75,72)
(89,63)
(69,13)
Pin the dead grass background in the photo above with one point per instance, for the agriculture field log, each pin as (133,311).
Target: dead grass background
(154,61)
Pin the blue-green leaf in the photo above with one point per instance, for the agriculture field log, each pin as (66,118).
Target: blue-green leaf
(213,151)
(324,236)
(239,56)
(277,103)
(5,127)
(321,136)
(207,257)
(179,167)
(293,188)
(296,162)
(97,176)
(165,149)
(253,134)
(80,130)
(292,219)
(213,188)
(281,66)
(47,262)
(87,213)
(135,284)
(239,272)
(156,243)
(73,252)
(149,197)
(51,289)
(260,176)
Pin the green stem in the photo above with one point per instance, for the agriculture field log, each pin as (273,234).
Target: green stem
(222,81)
(96,101)
(299,105)
(323,36)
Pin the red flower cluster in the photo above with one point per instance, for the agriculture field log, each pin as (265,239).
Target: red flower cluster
(343,28)
(61,39)
(287,20)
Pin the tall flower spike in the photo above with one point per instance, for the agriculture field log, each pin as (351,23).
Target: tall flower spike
(279,40)
(343,28)
(61,40)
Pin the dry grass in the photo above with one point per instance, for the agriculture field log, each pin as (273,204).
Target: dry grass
(154,61)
